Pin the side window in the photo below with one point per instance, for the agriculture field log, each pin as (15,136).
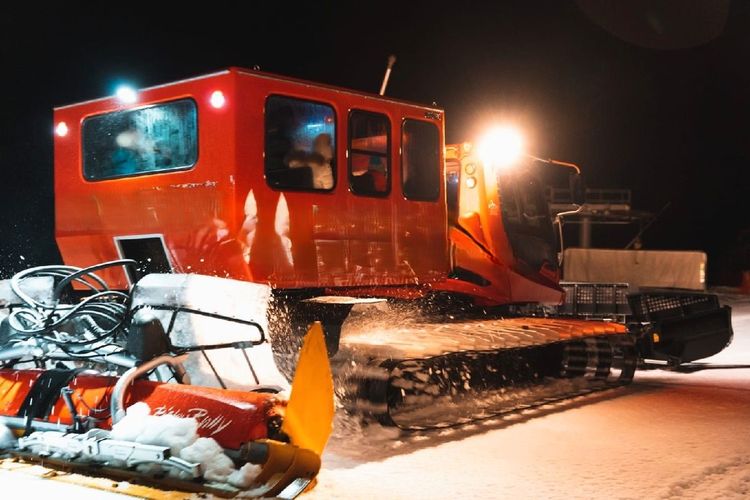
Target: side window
(452,180)
(300,144)
(369,153)
(148,140)
(420,160)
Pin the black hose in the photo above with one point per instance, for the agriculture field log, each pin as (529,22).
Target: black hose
(101,315)
(89,272)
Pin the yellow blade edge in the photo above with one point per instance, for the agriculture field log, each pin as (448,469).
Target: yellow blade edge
(308,419)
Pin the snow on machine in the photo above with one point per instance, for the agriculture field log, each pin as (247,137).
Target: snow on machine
(433,272)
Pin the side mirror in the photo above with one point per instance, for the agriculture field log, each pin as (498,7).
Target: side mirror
(577,190)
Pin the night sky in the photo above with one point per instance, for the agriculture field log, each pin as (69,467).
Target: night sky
(651,97)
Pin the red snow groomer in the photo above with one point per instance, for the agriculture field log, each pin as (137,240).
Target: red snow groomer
(434,274)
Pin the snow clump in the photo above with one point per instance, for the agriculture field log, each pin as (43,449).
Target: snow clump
(181,435)
(140,426)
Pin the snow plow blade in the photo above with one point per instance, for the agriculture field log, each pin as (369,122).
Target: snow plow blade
(309,414)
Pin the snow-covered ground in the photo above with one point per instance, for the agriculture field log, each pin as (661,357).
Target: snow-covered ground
(668,435)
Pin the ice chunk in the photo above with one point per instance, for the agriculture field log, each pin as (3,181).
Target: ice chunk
(207,452)
(7,438)
(38,288)
(226,297)
(244,477)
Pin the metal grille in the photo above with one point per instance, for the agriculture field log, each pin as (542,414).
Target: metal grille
(658,306)
(595,299)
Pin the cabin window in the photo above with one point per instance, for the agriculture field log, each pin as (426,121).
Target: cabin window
(148,140)
(523,201)
(452,188)
(300,144)
(420,160)
(526,220)
(369,153)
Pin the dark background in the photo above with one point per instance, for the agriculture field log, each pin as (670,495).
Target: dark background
(651,96)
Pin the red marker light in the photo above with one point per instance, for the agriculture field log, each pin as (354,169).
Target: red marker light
(217,99)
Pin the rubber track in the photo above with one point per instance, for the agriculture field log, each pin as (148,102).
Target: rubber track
(476,369)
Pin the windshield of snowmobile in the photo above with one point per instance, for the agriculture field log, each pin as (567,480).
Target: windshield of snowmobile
(147,140)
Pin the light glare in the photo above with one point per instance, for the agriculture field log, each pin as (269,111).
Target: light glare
(126,94)
(501,147)
(217,99)
(61,129)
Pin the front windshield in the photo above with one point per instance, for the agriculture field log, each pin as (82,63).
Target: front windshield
(527,221)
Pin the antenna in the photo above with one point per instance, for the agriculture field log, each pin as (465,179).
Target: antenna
(643,229)
(391,62)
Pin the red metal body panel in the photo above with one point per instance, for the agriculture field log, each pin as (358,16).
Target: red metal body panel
(14,386)
(230,417)
(480,245)
(221,217)
(190,208)
(337,239)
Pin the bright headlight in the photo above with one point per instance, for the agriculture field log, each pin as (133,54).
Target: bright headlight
(501,147)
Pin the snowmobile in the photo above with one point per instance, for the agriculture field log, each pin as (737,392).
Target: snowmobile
(74,373)
(435,276)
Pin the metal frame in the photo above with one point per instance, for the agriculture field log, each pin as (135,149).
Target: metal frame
(179,350)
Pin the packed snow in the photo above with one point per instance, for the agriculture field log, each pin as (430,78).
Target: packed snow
(668,435)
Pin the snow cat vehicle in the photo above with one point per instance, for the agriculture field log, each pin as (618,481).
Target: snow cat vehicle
(434,275)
